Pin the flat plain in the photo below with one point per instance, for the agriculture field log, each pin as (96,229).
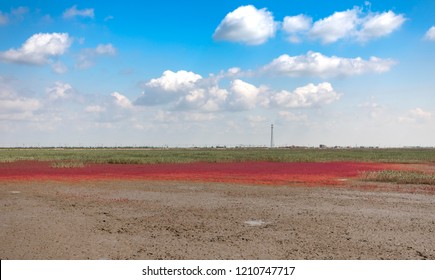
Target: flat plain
(217,204)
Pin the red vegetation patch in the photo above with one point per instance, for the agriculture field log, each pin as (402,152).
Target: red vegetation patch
(268,173)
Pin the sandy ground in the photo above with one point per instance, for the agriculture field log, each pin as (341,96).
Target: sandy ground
(175,220)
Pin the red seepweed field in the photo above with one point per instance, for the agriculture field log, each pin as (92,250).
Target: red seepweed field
(213,204)
(263,173)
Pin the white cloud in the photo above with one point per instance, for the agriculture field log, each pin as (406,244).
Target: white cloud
(317,64)
(169,87)
(74,12)
(307,96)
(335,27)
(378,25)
(416,115)
(87,57)
(175,81)
(38,49)
(188,91)
(293,25)
(121,100)
(106,49)
(60,90)
(430,34)
(247,25)
(352,24)
(243,96)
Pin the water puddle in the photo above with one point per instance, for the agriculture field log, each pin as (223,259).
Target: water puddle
(255,223)
(15,192)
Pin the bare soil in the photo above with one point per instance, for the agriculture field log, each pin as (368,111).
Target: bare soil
(137,219)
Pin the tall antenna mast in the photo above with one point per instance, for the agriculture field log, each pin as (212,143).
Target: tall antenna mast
(271,135)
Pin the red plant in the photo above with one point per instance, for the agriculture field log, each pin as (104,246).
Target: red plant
(269,173)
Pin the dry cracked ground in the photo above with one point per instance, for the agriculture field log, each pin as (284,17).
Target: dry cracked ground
(176,220)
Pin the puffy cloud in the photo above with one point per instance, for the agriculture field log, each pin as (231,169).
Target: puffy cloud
(187,91)
(74,12)
(247,25)
(87,57)
(169,87)
(430,34)
(60,90)
(350,24)
(416,115)
(335,27)
(378,25)
(38,49)
(306,96)
(175,81)
(121,100)
(293,25)
(243,95)
(317,64)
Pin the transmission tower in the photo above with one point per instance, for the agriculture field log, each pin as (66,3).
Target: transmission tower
(271,135)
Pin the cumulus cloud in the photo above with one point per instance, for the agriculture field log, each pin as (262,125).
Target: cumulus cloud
(247,25)
(87,57)
(38,49)
(377,25)
(188,91)
(294,25)
(169,87)
(121,100)
(307,96)
(430,34)
(174,81)
(416,115)
(74,12)
(243,96)
(317,64)
(351,24)
(335,27)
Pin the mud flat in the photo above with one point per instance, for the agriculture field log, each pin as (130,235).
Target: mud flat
(137,219)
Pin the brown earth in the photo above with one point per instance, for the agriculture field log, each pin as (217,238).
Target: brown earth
(137,219)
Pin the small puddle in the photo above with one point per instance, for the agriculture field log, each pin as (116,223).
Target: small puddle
(255,223)
(15,192)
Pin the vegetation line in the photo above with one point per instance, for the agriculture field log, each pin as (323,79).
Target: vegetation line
(400,177)
(179,155)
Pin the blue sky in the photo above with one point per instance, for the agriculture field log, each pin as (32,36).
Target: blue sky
(203,73)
